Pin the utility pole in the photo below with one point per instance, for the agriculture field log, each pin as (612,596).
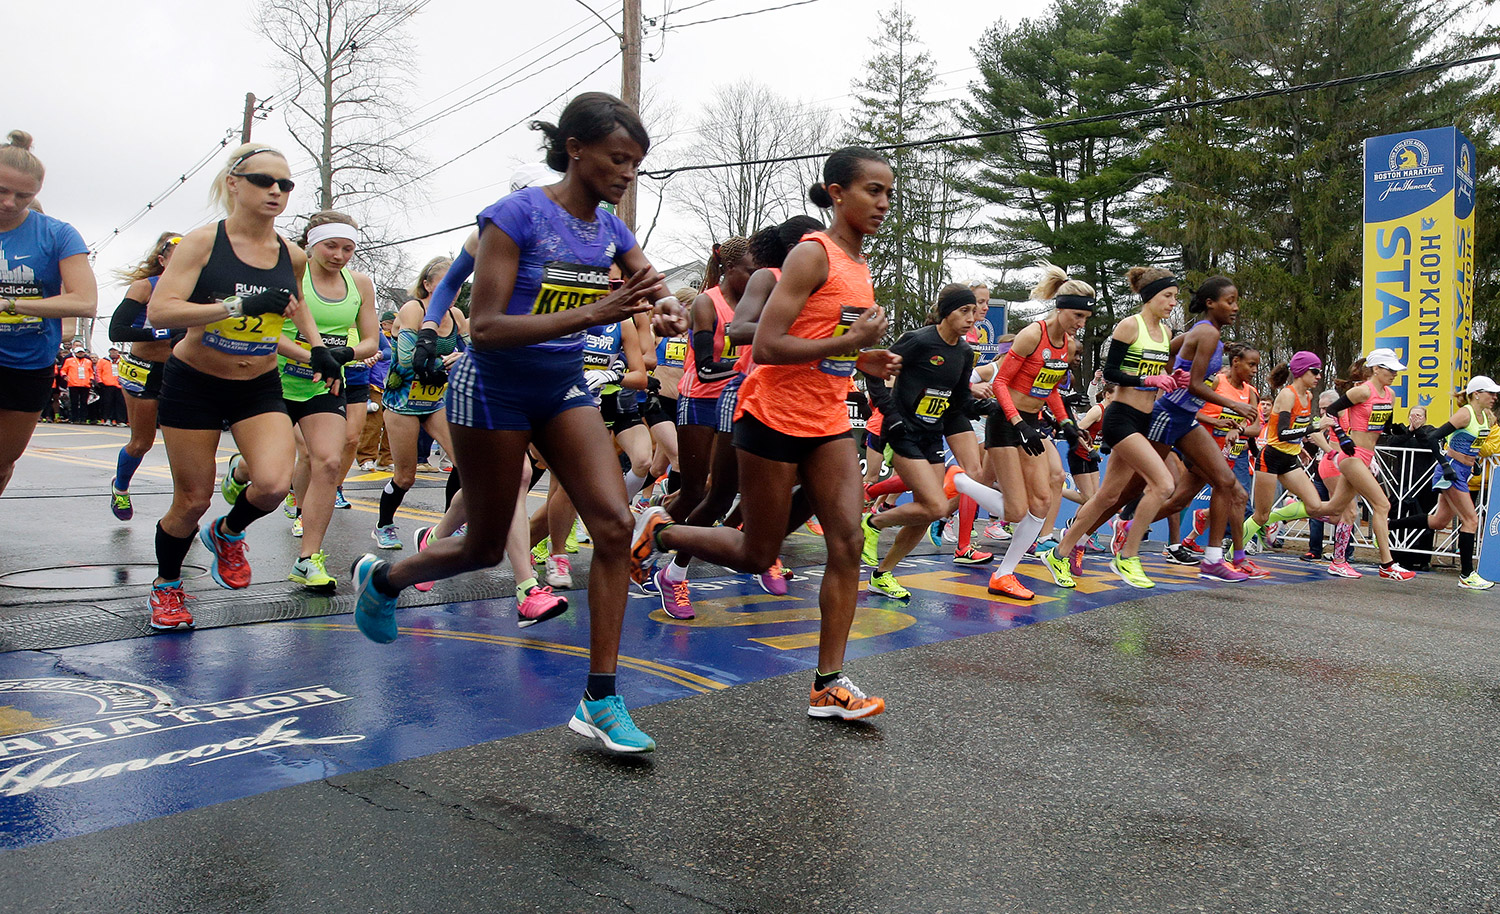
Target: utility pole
(249,117)
(630,91)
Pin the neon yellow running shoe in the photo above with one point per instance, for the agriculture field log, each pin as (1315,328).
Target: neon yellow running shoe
(570,545)
(1129,570)
(232,488)
(1062,575)
(870,555)
(541,550)
(312,573)
(886,583)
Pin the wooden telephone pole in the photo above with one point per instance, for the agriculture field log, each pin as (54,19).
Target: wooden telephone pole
(249,117)
(630,90)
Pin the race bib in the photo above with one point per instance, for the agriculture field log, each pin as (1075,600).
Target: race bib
(842,365)
(1052,372)
(134,373)
(245,335)
(934,403)
(1380,417)
(566,286)
(426,394)
(20,323)
(676,354)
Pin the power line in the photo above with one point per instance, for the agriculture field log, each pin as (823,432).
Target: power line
(1112,116)
(182,179)
(770,9)
(387,244)
(599,17)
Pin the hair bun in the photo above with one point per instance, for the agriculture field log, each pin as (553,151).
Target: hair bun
(19,139)
(819,196)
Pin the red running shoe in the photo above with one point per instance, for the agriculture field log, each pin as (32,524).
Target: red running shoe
(168,612)
(230,568)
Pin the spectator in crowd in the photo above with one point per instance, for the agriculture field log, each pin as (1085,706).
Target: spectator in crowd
(374,451)
(111,397)
(1414,435)
(78,369)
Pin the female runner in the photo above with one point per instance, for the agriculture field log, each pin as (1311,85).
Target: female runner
(140,368)
(1280,460)
(792,421)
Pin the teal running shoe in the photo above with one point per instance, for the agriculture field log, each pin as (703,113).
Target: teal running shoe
(374,612)
(607,721)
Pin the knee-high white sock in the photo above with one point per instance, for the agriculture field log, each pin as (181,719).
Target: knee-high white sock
(1022,537)
(633,483)
(989,499)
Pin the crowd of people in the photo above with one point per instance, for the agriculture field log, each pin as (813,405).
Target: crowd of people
(708,423)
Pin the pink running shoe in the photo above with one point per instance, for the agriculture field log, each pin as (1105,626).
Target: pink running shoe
(675,601)
(1075,561)
(1117,542)
(1343,570)
(540,605)
(1200,522)
(1221,571)
(772,580)
(420,539)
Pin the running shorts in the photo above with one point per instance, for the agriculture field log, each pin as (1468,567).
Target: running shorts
(1463,471)
(515,389)
(613,407)
(191,399)
(729,398)
(1001,432)
(26,390)
(755,437)
(356,393)
(1121,421)
(698,411)
(1168,425)
(1081,466)
(322,403)
(1329,463)
(917,444)
(658,409)
(1276,462)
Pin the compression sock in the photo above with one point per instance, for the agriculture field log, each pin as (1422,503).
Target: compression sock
(1022,538)
(1465,553)
(821,679)
(674,480)
(968,511)
(450,490)
(243,514)
(891,485)
(600,685)
(390,499)
(633,483)
(1251,529)
(987,498)
(1409,522)
(125,467)
(170,551)
(1342,534)
(1294,511)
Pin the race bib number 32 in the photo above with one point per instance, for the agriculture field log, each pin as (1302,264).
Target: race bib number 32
(569,285)
(245,335)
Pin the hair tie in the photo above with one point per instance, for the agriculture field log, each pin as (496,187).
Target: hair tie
(1155,287)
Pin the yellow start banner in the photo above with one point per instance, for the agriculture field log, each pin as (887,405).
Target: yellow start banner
(1419,262)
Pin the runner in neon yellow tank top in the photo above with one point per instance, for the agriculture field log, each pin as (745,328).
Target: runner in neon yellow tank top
(339,300)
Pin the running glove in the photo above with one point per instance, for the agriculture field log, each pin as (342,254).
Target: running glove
(1162,382)
(1346,444)
(596,378)
(342,354)
(1032,441)
(325,364)
(1070,432)
(981,407)
(653,384)
(269,301)
(424,357)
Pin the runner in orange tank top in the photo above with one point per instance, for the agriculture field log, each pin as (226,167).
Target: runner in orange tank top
(792,420)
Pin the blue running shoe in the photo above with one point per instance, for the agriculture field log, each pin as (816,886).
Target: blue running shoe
(374,612)
(339,501)
(387,537)
(607,721)
(935,532)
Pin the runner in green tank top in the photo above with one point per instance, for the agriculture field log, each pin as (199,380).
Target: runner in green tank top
(339,300)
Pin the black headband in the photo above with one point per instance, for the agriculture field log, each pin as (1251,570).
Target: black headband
(950,303)
(1153,288)
(1074,302)
(254,152)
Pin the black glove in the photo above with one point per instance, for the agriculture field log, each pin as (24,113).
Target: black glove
(271,301)
(424,357)
(894,427)
(981,407)
(653,384)
(342,354)
(1448,472)
(1346,444)
(1070,432)
(325,364)
(1103,450)
(1032,441)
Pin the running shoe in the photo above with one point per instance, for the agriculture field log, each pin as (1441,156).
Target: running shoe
(1254,545)
(950,532)
(367,465)
(886,583)
(420,539)
(773,580)
(843,699)
(972,556)
(648,586)
(675,600)
(1117,539)
(1310,557)
(570,545)
(339,501)
(1192,546)
(995,530)
(1472,581)
(387,537)
(1221,571)
(1180,554)
(1129,570)
(935,532)
(1006,585)
(559,572)
(1200,523)
(1395,572)
(540,605)
(1273,535)
(541,550)
(870,553)
(289,505)
(374,612)
(813,527)
(232,488)
(119,502)
(1098,541)
(580,534)
(312,573)
(607,721)
(1248,568)
(1041,545)
(1062,575)
(643,542)
(1075,561)
(1343,570)
(230,568)
(297,527)
(168,609)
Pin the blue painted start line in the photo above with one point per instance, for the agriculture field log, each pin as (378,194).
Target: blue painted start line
(105,735)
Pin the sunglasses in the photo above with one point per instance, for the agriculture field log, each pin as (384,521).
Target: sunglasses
(265,181)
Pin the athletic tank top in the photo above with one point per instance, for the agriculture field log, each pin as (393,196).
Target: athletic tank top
(1247,394)
(334,319)
(725,350)
(1147,356)
(1041,372)
(1373,415)
(1466,440)
(671,352)
(806,400)
(601,347)
(1301,419)
(746,362)
(1182,399)
(225,275)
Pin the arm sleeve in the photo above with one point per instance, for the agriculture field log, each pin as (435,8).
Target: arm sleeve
(1434,442)
(1338,406)
(1113,360)
(708,368)
(1284,425)
(448,288)
(122,327)
(1001,385)
(406,343)
(879,395)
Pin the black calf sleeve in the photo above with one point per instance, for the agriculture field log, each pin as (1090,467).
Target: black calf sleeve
(170,551)
(1465,553)
(390,500)
(242,515)
(674,479)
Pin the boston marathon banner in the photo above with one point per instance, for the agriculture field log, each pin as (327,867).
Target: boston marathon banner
(1419,262)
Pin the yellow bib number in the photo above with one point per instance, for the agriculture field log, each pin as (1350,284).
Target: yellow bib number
(933,404)
(842,365)
(426,393)
(133,372)
(11,322)
(245,335)
(676,352)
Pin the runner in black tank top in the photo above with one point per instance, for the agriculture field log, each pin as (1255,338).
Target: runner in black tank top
(231,286)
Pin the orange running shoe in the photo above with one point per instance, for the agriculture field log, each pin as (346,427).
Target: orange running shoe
(643,543)
(843,699)
(950,488)
(1006,585)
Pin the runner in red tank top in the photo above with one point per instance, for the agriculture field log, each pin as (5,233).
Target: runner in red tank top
(792,420)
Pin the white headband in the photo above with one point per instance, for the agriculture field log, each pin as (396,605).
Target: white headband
(332,230)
